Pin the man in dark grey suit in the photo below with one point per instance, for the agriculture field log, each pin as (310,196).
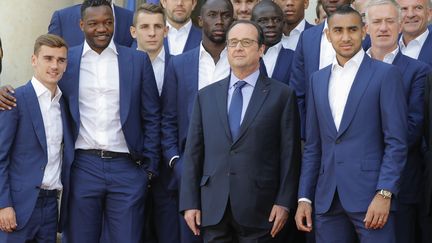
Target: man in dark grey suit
(242,150)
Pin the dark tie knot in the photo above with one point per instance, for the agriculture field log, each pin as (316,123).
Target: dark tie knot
(239,84)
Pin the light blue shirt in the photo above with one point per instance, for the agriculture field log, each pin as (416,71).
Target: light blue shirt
(247,90)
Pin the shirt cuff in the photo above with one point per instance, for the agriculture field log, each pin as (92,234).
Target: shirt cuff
(171,162)
(303,199)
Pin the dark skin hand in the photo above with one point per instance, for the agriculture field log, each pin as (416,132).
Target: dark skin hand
(7,100)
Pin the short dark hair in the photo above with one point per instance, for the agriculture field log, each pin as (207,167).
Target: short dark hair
(49,40)
(230,6)
(148,8)
(93,3)
(345,10)
(279,10)
(257,27)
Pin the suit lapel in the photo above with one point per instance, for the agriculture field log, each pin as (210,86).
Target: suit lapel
(191,77)
(426,50)
(322,100)
(263,68)
(221,101)
(258,97)
(166,46)
(315,47)
(359,86)
(36,115)
(125,81)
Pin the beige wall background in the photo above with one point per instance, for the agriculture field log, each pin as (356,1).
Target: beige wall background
(23,21)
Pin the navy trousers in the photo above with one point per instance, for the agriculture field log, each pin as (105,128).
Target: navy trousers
(42,225)
(106,194)
(340,226)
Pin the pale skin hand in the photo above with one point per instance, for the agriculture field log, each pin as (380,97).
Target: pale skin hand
(279,216)
(7,220)
(303,217)
(7,101)
(193,220)
(377,213)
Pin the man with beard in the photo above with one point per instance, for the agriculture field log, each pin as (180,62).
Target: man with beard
(182,34)
(295,24)
(383,22)
(185,75)
(243,8)
(276,61)
(313,52)
(356,142)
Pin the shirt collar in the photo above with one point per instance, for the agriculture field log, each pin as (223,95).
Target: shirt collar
(274,50)
(112,47)
(40,89)
(251,79)
(325,26)
(161,55)
(203,51)
(185,28)
(300,27)
(421,39)
(355,60)
(389,57)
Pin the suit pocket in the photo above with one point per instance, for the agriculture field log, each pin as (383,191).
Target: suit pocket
(204,180)
(370,165)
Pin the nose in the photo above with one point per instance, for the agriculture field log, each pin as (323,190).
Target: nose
(243,7)
(101,28)
(152,31)
(410,12)
(346,36)
(383,26)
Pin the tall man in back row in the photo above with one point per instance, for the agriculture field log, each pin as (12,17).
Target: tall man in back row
(356,141)
(241,157)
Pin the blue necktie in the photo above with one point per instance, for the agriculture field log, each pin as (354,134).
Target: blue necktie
(235,109)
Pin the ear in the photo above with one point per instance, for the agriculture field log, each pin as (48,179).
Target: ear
(163,3)
(132,30)
(34,60)
(327,32)
(306,4)
(200,21)
(364,29)
(81,25)
(165,31)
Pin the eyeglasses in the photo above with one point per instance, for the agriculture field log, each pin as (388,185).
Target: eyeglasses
(243,42)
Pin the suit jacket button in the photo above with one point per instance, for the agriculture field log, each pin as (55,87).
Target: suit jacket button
(338,141)
(42,167)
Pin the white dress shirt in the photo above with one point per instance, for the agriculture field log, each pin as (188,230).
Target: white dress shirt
(210,72)
(327,52)
(247,90)
(51,116)
(341,80)
(389,57)
(177,37)
(270,58)
(414,46)
(290,41)
(158,65)
(99,101)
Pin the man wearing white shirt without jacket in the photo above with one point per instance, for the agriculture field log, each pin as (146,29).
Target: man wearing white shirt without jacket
(182,34)
(36,149)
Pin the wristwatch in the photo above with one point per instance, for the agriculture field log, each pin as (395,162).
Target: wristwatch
(385,194)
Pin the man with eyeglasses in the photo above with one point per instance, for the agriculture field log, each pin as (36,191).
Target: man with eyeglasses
(242,150)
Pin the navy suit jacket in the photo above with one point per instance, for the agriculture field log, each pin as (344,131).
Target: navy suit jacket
(369,150)
(428,150)
(193,40)
(306,62)
(414,76)
(426,50)
(255,171)
(282,69)
(139,103)
(65,23)
(178,93)
(23,153)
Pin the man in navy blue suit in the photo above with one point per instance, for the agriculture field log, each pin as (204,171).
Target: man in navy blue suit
(313,52)
(276,61)
(241,157)
(114,104)
(383,25)
(294,24)
(185,75)
(36,149)
(65,23)
(356,141)
(416,38)
(182,34)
